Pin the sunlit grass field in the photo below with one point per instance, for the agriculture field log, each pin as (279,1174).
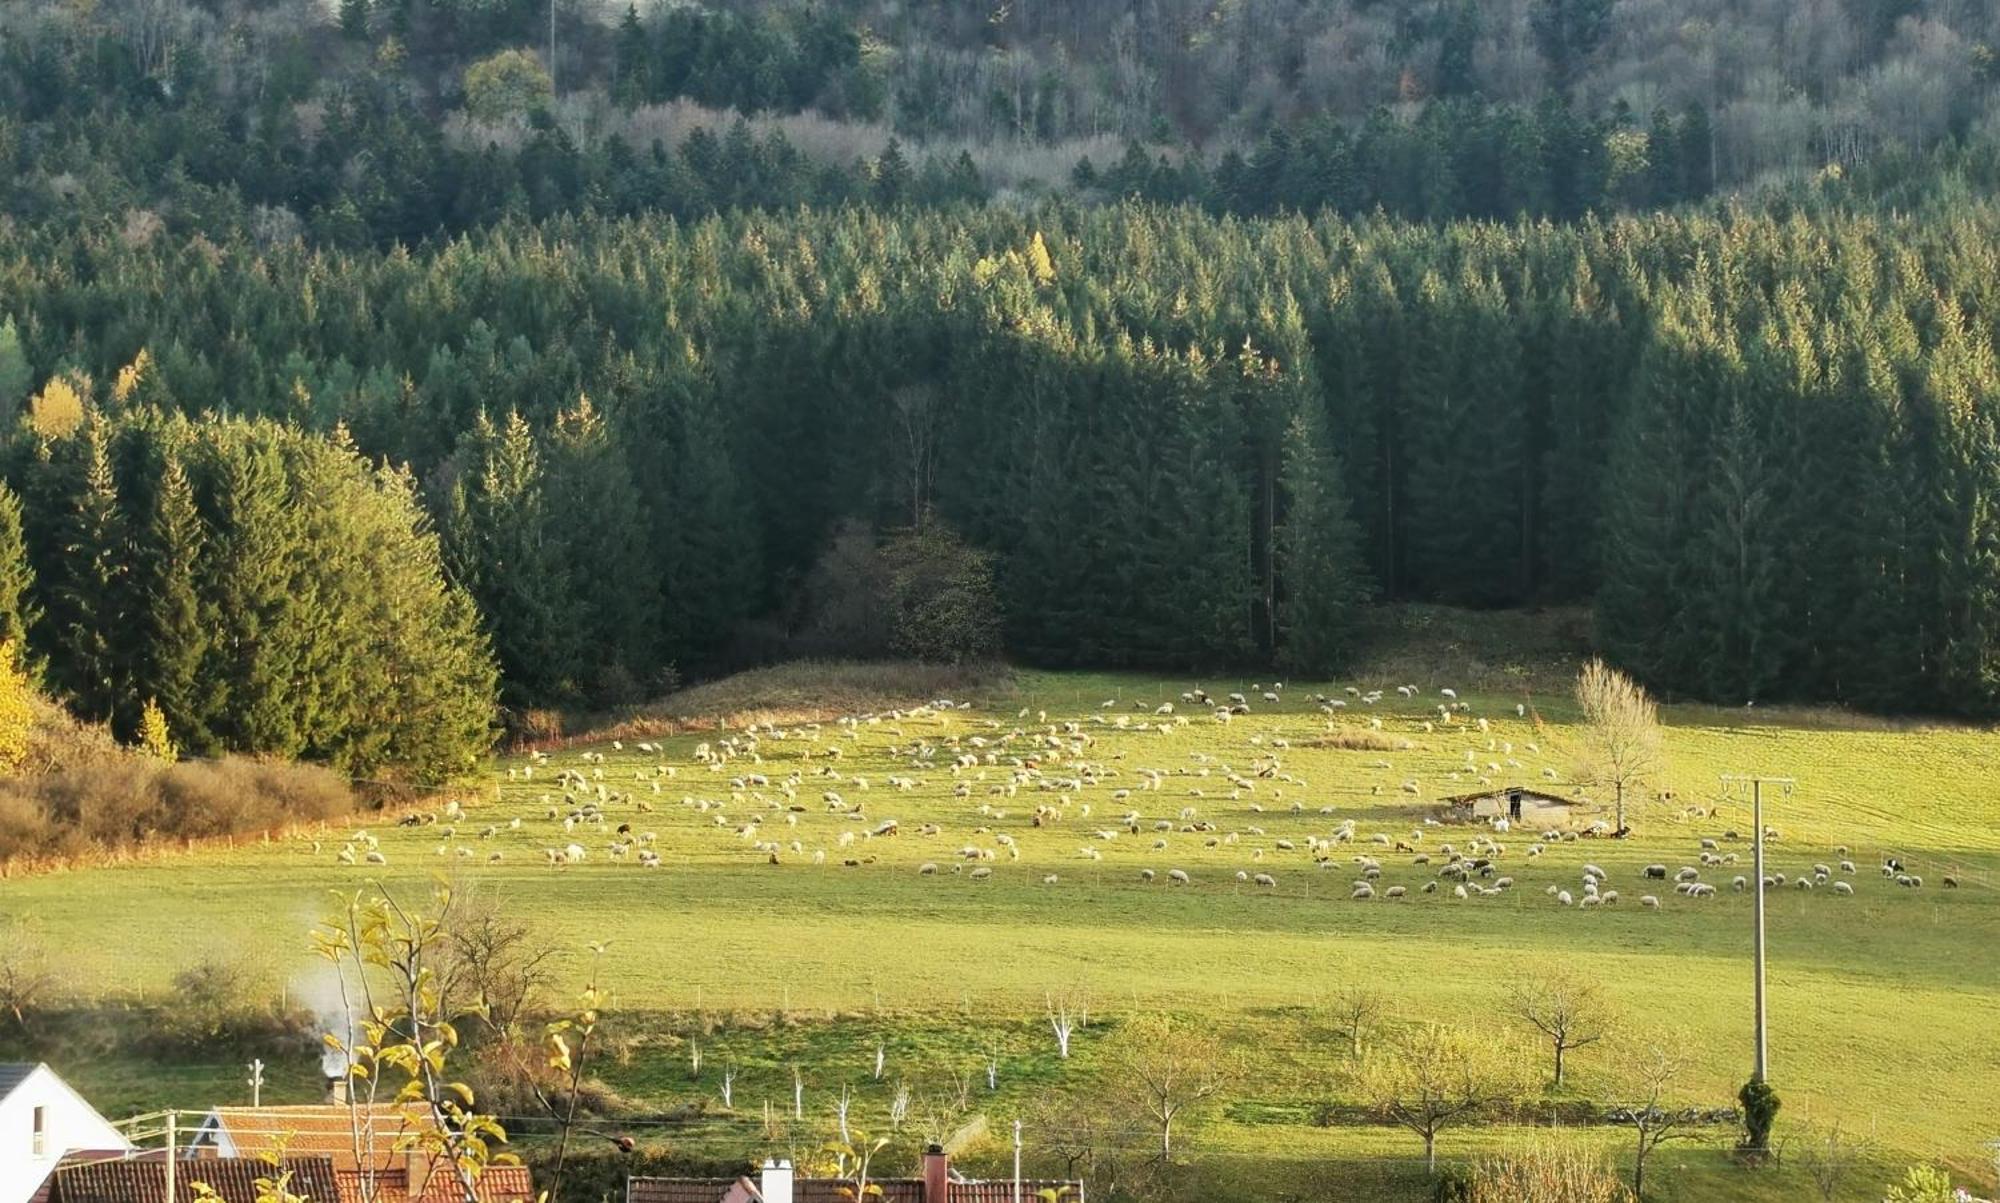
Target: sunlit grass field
(1883,1004)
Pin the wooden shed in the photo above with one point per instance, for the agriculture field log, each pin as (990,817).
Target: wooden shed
(1516,804)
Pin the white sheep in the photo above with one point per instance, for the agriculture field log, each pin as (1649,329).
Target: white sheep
(1842,887)
(1563,897)
(1266,880)
(1362,890)
(1177,877)
(1649,902)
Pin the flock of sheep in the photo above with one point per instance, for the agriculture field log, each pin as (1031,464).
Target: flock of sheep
(815,793)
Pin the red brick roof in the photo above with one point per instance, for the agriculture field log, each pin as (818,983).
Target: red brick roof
(132,1180)
(682,1190)
(323,1129)
(1003,1192)
(498,1184)
(828,1190)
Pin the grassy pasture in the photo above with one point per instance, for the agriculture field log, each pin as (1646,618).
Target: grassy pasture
(1882,1004)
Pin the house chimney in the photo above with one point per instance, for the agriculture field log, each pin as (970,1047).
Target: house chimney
(937,1175)
(775,1184)
(336,1090)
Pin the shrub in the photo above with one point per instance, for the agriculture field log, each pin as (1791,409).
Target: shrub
(1544,1173)
(944,602)
(922,593)
(1760,1111)
(123,800)
(17,709)
(1922,1184)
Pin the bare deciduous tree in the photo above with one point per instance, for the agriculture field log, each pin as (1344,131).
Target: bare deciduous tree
(1434,1077)
(1355,1011)
(1828,1155)
(1650,1074)
(1622,749)
(1569,1011)
(1169,1072)
(1067,1010)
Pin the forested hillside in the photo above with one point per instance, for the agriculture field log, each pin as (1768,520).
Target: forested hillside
(1766,449)
(1169,332)
(373,122)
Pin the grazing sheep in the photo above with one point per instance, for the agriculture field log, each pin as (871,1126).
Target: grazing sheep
(927,869)
(1050,880)
(1847,866)
(1458,891)
(1177,877)
(982,873)
(1740,884)
(1656,872)
(1649,902)
(1394,892)
(1362,890)
(1564,898)
(1145,875)
(1843,887)
(1610,896)
(1265,879)
(1687,873)
(1430,887)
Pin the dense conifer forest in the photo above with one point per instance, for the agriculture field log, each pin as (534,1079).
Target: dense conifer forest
(1764,449)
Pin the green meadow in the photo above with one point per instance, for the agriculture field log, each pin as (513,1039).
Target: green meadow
(756,939)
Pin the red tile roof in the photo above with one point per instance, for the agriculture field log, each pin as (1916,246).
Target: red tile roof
(681,1190)
(322,1129)
(828,1190)
(1003,1192)
(133,1180)
(499,1184)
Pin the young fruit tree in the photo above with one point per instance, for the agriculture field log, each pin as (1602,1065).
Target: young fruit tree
(1647,1078)
(386,958)
(1569,1011)
(1169,1073)
(1621,734)
(1435,1077)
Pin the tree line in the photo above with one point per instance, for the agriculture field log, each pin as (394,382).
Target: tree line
(1760,446)
(262,589)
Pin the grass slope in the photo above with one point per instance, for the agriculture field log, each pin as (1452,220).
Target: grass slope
(1881,1003)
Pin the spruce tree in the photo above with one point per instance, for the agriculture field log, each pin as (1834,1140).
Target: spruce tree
(177,632)
(93,599)
(18,610)
(1322,581)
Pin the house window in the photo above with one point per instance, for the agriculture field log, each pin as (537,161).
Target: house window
(38,1144)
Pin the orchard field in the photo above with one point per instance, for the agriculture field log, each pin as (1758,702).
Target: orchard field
(756,938)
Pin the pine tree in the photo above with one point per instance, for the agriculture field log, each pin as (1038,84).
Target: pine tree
(15,376)
(1321,578)
(176,631)
(253,580)
(18,611)
(606,547)
(93,599)
(501,546)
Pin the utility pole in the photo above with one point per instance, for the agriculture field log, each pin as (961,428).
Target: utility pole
(1756,784)
(1017,1161)
(172,1154)
(257,1083)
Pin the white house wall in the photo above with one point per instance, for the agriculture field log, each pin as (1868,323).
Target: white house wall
(69,1122)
